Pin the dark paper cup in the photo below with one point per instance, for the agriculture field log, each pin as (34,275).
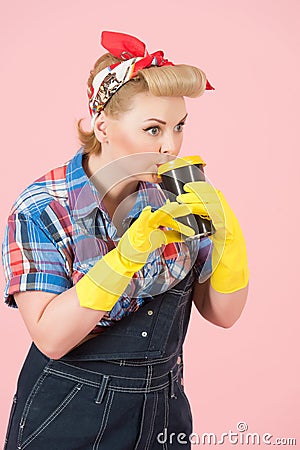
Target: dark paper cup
(174,175)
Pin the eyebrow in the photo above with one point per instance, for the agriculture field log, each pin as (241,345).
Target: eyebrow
(162,121)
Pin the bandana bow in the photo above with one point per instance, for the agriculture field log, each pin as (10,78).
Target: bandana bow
(124,46)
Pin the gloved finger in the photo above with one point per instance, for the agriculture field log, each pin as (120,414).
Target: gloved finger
(211,209)
(211,212)
(200,210)
(190,197)
(172,236)
(142,220)
(174,209)
(205,192)
(165,214)
(195,186)
(164,237)
(176,225)
(159,237)
(146,212)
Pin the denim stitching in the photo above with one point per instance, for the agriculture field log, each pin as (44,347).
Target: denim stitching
(102,389)
(166,420)
(125,362)
(28,403)
(95,384)
(10,419)
(104,420)
(149,376)
(184,397)
(52,370)
(172,393)
(183,307)
(116,387)
(152,421)
(73,378)
(142,423)
(53,415)
(151,362)
(139,390)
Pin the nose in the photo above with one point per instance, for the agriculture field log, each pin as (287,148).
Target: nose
(169,146)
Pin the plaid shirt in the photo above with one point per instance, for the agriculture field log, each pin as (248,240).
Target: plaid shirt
(58,228)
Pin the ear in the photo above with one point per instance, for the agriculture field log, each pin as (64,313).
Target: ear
(100,128)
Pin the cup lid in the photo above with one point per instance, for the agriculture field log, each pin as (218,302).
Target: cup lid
(180,162)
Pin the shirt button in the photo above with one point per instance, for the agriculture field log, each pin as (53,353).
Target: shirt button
(178,360)
(150,312)
(144,333)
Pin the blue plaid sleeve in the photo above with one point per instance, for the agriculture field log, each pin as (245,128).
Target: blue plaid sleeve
(31,259)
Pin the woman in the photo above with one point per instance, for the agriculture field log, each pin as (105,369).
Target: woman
(103,275)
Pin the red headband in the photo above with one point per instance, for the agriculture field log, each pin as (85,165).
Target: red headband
(134,57)
(124,46)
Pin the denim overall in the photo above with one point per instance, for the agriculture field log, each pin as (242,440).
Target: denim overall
(121,390)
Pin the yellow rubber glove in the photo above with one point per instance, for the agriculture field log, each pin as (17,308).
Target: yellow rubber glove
(229,257)
(104,283)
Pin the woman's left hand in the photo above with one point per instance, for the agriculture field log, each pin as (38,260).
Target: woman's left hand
(229,256)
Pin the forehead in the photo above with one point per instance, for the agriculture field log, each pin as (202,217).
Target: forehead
(149,105)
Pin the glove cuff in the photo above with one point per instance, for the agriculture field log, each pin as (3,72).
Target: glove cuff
(105,282)
(231,271)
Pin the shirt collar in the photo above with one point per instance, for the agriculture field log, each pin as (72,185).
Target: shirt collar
(82,193)
(84,199)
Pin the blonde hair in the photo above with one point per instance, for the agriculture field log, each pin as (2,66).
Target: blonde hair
(173,81)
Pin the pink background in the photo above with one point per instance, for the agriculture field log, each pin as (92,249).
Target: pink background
(246,132)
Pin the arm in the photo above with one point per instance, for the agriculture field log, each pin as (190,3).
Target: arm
(56,323)
(222,297)
(36,277)
(219,308)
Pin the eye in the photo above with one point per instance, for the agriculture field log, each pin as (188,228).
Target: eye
(180,126)
(153,131)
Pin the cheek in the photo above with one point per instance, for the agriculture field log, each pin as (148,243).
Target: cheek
(139,143)
(122,141)
(180,139)
(133,144)
(131,140)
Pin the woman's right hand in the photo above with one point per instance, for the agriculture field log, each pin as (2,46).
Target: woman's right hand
(106,281)
(145,234)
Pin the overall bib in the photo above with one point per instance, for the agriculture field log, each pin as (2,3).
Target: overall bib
(121,390)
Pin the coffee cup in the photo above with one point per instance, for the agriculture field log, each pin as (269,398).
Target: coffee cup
(174,175)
